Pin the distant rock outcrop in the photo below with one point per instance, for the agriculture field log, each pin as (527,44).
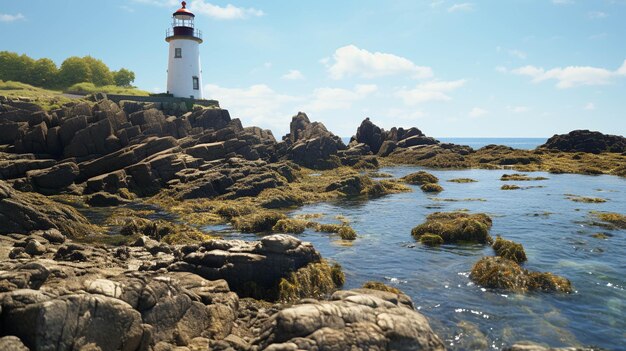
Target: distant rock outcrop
(311,144)
(586,141)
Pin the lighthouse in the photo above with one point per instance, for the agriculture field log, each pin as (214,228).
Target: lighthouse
(184,74)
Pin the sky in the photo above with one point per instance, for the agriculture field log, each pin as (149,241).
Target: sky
(515,68)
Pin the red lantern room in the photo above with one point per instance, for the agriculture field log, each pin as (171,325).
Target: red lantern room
(183,25)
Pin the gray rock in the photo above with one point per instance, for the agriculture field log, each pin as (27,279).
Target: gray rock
(12,343)
(56,177)
(35,248)
(353,320)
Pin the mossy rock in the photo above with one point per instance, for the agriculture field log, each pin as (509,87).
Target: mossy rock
(614,219)
(292,226)
(510,187)
(315,280)
(420,178)
(520,177)
(347,233)
(509,250)
(381,287)
(455,227)
(505,274)
(462,180)
(259,222)
(586,199)
(431,188)
(167,232)
(431,239)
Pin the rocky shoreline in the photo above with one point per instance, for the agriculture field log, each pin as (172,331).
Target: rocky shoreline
(100,246)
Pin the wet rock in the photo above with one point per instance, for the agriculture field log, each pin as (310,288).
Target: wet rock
(529,346)
(420,178)
(356,320)
(586,141)
(103,199)
(24,212)
(501,273)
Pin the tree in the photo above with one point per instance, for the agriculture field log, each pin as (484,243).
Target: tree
(123,77)
(44,73)
(74,70)
(100,72)
(15,67)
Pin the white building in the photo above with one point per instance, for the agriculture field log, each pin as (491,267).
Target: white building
(184,73)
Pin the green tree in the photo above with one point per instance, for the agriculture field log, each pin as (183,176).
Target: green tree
(123,77)
(100,72)
(44,73)
(74,70)
(15,67)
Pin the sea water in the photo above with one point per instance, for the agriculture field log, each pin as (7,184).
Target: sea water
(477,143)
(555,232)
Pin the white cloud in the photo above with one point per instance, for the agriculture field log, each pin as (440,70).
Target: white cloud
(572,76)
(464,7)
(590,106)
(597,15)
(11,18)
(518,109)
(324,99)
(622,70)
(501,69)
(227,12)
(562,2)
(351,61)
(518,53)
(477,112)
(257,105)
(293,74)
(429,91)
(436,3)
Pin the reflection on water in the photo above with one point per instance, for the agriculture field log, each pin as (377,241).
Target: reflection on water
(553,230)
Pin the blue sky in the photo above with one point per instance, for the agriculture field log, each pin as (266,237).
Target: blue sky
(516,68)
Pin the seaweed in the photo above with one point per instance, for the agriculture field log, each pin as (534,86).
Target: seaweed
(509,250)
(510,187)
(381,287)
(431,239)
(462,180)
(455,227)
(258,222)
(312,281)
(431,188)
(420,178)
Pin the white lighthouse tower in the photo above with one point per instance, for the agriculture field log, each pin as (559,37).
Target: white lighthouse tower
(184,75)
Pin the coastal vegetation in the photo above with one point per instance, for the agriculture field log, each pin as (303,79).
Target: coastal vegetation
(44,73)
(455,227)
(509,249)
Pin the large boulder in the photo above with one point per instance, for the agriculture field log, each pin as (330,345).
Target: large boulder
(250,268)
(311,144)
(24,212)
(586,141)
(370,134)
(56,177)
(359,319)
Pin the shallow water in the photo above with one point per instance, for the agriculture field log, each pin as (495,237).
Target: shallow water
(551,227)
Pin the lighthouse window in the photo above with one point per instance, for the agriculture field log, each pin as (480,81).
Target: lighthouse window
(196,83)
(178,53)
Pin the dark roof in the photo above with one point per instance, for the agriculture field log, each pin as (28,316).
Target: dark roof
(183,11)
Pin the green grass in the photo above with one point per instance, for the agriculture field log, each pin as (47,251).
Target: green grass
(47,99)
(90,88)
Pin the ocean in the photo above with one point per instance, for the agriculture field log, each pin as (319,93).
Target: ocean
(477,143)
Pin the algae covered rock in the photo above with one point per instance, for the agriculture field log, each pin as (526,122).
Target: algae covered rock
(431,188)
(420,178)
(381,287)
(502,273)
(455,227)
(263,221)
(24,212)
(431,239)
(509,250)
(586,141)
(313,281)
